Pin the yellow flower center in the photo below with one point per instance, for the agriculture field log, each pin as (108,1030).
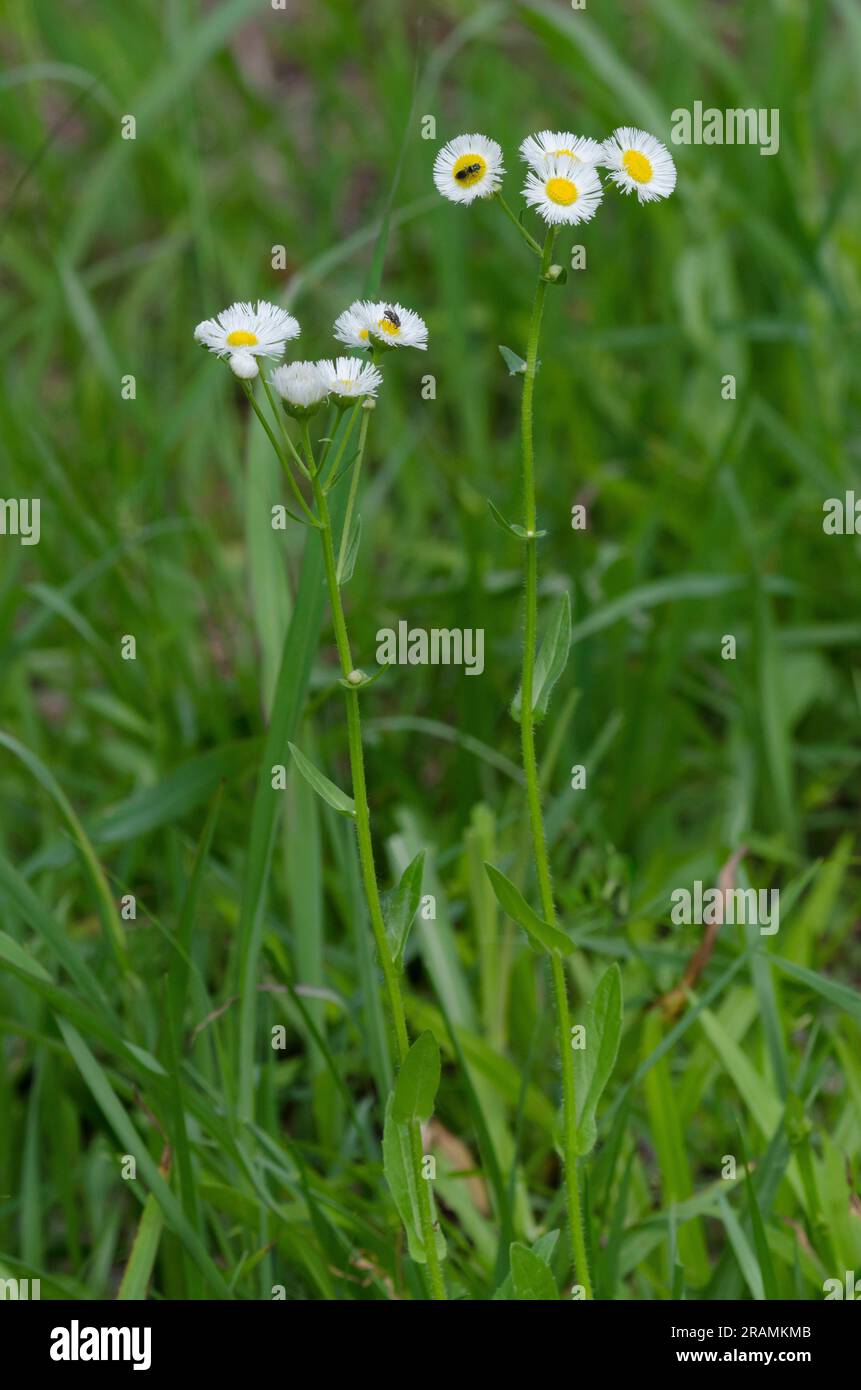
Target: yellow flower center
(241,337)
(388,327)
(469,169)
(364,334)
(637,166)
(561,191)
(569,152)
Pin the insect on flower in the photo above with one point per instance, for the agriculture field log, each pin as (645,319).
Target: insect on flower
(468,171)
(468,167)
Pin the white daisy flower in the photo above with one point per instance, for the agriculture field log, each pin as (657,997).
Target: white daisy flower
(259,331)
(399,327)
(639,163)
(300,386)
(243,365)
(535,149)
(468,167)
(349,378)
(355,325)
(564,190)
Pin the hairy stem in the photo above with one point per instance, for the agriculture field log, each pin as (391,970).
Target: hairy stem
(366,857)
(533,790)
(281,457)
(530,240)
(351,500)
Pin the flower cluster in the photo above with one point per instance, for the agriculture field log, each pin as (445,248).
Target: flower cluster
(244,332)
(562,182)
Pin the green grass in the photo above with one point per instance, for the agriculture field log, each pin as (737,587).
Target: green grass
(259,1168)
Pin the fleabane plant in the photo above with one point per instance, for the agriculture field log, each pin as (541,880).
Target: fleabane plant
(564,187)
(297,394)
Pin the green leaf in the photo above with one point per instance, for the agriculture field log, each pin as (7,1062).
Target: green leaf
(110,1106)
(593,1064)
(531,1277)
(401,1178)
(300,647)
(540,933)
(516,365)
(402,906)
(418,1081)
(106,906)
(550,662)
(343,804)
(763,1253)
(512,527)
(138,1270)
(543,1249)
(849,1000)
(346,574)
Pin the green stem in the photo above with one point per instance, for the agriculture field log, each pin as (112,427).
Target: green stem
(279,416)
(366,857)
(533,789)
(332,471)
(354,488)
(530,240)
(249,391)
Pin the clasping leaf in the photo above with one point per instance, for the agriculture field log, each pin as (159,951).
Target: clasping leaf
(402,906)
(550,662)
(343,804)
(541,934)
(593,1064)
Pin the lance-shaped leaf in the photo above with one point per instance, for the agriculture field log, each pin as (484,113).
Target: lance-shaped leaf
(401,907)
(550,662)
(401,1178)
(346,573)
(337,799)
(418,1081)
(541,934)
(593,1064)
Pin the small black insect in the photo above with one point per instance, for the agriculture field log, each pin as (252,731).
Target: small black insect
(467,171)
(391,317)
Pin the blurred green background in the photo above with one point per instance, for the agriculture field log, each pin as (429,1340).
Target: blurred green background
(259,128)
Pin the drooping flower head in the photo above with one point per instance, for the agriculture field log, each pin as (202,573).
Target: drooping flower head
(301,387)
(243,365)
(535,149)
(246,330)
(638,163)
(563,190)
(468,167)
(349,378)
